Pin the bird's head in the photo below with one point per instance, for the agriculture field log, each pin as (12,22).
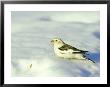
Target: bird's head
(57,42)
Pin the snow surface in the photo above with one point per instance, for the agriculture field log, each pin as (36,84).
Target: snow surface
(32,53)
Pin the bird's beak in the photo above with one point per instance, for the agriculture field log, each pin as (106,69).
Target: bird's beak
(52,41)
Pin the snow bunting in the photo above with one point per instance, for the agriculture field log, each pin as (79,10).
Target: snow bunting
(64,50)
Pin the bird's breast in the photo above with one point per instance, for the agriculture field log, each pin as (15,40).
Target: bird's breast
(67,54)
(60,53)
(57,52)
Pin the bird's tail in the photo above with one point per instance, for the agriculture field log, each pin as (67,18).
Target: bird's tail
(90,60)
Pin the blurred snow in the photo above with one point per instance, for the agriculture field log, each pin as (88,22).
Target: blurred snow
(31,36)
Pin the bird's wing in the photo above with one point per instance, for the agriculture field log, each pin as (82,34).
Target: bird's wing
(67,47)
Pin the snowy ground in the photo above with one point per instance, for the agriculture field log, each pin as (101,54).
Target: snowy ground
(32,53)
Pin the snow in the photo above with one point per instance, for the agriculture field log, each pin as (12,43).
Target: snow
(30,43)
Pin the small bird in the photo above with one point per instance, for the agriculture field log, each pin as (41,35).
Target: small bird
(64,50)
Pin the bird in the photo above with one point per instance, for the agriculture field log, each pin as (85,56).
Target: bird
(67,51)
